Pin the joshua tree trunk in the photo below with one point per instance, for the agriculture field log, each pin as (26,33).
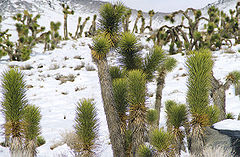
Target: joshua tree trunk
(218,95)
(65,27)
(160,86)
(113,120)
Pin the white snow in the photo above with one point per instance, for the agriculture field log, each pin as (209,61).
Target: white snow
(228,124)
(57,100)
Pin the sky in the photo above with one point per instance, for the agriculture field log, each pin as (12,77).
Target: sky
(164,5)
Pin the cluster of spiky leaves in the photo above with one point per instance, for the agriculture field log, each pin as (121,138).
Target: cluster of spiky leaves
(235,76)
(144,151)
(110,21)
(14,101)
(176,114)
(101,47)
(129,47)
(116,72)
(86,126)
(151,116)
(199,65)
(152,61)
(163,142)
(31,122)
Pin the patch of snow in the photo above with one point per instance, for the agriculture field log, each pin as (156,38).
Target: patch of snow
(228,124)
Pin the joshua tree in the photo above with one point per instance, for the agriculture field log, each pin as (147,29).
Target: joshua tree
(99,51)
(66,11)
(139,15)
(110,21)
(31,129)
(93,28)
(167,66)
(176,118)
(82,26)
(151,14)
(55,37)
(199,66)
(142,29)
(86,127)
(13,105)
(126,20)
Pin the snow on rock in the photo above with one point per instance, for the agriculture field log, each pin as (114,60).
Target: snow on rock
(228,124)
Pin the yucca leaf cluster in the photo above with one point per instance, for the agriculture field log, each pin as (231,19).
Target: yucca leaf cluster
(86,126)
(14,101)
(110,20)
(31,121)
(129,48)
(163,142)
(199,66)
(101,47)
(144,151)
(176,114)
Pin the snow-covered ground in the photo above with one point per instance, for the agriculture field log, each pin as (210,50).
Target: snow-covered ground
(58,100)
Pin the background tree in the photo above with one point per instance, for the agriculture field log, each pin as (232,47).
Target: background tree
(66,11)
(139,15)
(151,13)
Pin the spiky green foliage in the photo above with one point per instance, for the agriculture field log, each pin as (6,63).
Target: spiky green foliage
(31,121)
(129,47)
(137,87)
(199,66)
(120,96)
(152,61)
(101,47)
(176,118)
(162,141)
(116,72)
(40,141)
(230,116)
(86,125)
(137,113)
(151,116)
(144,151)
(14,101)
(110,20)
(213,112)
(176,114)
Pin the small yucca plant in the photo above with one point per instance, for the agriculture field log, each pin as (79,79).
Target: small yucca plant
(13,105)
(31,129)
(162,141)
(235,75)
(144,151)
(129,47)
(230,116)
(176,118)
(14,101)
(86,126)
(110,21)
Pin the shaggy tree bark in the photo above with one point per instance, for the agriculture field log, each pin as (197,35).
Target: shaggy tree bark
(218,95)
(160,86)
(113,120)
